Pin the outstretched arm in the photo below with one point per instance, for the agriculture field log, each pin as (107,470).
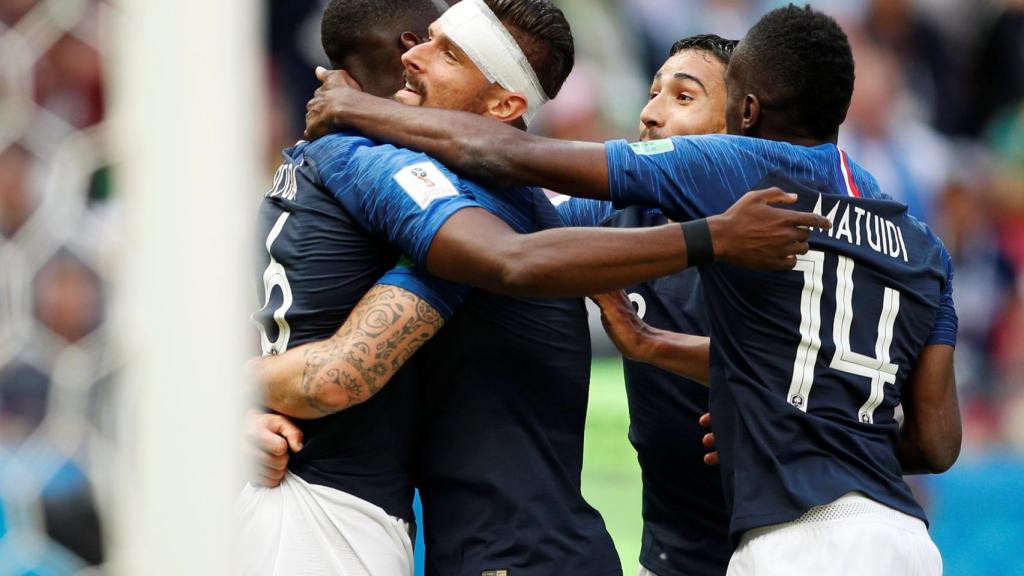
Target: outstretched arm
(383,331)
(480,147)
(931,434)
(477,248)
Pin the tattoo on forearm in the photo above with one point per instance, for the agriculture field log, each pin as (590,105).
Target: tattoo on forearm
(383,331)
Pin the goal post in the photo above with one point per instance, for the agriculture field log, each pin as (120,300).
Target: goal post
(187,106)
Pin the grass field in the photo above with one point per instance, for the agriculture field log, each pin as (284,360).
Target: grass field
(611,475)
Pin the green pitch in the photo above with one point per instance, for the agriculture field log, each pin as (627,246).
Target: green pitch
(611,475)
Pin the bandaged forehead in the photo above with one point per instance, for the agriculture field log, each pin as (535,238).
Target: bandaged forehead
(474,28)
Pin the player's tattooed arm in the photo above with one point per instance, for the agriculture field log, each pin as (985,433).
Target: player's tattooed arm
(931,434)
(383,331)
(682,354)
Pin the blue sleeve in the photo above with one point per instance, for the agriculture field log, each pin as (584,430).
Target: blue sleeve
(583,211)
(687,177)
(443,295)
(945,327)
(398,195)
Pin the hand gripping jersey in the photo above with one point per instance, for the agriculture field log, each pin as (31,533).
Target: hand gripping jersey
(806,364)
(686,525)
(505,384)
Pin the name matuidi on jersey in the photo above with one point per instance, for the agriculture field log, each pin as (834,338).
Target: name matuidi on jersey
(285,185)
(859,226)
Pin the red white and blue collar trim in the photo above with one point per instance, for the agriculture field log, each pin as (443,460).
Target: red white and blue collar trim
(844,166)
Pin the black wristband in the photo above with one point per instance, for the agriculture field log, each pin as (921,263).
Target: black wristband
(699,249)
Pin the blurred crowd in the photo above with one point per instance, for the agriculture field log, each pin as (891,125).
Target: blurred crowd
(937,117)
(57,243)
(56,231)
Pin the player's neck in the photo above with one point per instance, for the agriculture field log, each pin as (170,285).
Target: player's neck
(798,138)
(779,127)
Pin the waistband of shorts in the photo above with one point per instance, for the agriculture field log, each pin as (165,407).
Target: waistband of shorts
(856,505)
(850,506)
(330,499)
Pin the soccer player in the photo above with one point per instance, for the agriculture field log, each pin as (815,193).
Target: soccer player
(441,222)
(807,366)
(346,506)
(686,525)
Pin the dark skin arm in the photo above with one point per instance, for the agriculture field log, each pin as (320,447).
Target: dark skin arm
(682,354)
(480,147)
(931,435)
(475,247)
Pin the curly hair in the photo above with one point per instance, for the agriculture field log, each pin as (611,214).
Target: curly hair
(810,63)
(346,23)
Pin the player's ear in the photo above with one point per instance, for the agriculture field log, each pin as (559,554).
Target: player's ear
(409,40)
(751,113)
(506,106)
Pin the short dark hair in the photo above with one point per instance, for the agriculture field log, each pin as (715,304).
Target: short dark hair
(347,23)
(543,34)
(720,48)
(809,66)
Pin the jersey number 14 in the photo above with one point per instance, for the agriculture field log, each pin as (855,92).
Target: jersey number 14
(878,369)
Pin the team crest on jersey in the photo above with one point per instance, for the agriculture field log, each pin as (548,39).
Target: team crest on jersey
(424,183)
(285,186)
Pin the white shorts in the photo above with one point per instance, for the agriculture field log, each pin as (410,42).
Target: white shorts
(853,535)
(301,529)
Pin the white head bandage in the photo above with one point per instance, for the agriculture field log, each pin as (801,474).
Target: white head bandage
(474,28)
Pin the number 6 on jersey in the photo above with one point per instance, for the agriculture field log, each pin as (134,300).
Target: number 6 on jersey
(275,276)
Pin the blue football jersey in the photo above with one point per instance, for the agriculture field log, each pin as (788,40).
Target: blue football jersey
(806,364)
(503,452)
(315,261)
(505,388)
(686,525)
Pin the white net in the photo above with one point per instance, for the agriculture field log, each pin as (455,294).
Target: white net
(56,248)
(101,458)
